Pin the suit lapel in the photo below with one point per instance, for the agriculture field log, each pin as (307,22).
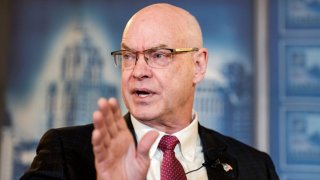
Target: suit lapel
(218,162)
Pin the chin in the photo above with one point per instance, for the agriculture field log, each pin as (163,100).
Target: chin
(143,115)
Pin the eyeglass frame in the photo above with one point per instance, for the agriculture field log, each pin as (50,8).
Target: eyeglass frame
(172,52)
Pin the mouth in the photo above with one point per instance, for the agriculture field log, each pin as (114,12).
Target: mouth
(143,93)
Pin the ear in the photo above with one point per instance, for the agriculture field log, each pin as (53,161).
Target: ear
(200,64)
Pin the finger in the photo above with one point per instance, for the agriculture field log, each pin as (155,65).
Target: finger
(99,149)
(117,114)
(109,120)
(115,108)
(99,125)
(145,144)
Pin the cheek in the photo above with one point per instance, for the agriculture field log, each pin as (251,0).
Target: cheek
(124,85)
(125,78)
(183,75)
(179,82)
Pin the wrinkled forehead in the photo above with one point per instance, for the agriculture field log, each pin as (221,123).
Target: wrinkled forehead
(153,30)
(150,34)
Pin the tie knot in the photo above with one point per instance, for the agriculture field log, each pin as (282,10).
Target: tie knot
(168,143)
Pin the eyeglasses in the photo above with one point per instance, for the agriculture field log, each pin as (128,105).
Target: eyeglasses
(155,57)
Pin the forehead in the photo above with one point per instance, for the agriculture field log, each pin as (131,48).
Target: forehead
(127,47)
(146,32)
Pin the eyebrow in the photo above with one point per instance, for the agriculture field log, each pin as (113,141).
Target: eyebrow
(125,47)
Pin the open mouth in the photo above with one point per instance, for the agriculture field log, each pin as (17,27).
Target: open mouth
(143,93)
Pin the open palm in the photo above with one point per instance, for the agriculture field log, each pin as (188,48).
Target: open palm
(116,156)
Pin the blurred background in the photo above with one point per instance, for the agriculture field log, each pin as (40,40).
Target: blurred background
(262,86)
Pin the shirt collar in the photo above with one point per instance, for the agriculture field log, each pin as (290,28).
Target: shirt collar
(188,137)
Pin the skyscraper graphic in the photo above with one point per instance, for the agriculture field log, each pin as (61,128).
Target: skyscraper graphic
(72,99)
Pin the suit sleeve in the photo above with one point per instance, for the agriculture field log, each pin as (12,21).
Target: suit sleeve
(49,163)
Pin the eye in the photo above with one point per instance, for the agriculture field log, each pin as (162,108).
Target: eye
(158,55)
(128,56)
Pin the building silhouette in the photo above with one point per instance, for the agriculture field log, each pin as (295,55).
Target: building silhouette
(227,108)
(72,99)
(69,100)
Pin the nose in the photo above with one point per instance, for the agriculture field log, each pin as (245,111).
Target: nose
(141,69)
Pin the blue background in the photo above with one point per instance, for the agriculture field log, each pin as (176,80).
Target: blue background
(45,88)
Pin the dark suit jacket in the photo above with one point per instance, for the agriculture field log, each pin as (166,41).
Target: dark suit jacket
(66,153)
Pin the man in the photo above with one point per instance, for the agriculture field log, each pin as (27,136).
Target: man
(162,60)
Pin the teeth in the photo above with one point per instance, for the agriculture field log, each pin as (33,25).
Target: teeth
(143,95)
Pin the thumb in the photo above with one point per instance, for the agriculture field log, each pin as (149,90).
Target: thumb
(145,144)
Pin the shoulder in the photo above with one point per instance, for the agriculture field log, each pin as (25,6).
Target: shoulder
(68,136)
(71,144)
(71,131)
(250,162)
(233,145)
(63,153)
(75,129)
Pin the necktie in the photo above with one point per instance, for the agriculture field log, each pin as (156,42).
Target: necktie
(171,169)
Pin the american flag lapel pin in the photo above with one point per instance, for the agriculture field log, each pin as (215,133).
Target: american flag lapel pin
(226,167)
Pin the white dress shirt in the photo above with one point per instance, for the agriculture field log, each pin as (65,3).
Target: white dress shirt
(188,152)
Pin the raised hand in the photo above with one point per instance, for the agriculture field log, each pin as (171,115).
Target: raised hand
(116,156)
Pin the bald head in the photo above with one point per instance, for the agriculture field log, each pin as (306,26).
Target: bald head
(163,22)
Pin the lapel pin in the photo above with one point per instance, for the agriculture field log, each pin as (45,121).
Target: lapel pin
(226,167)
